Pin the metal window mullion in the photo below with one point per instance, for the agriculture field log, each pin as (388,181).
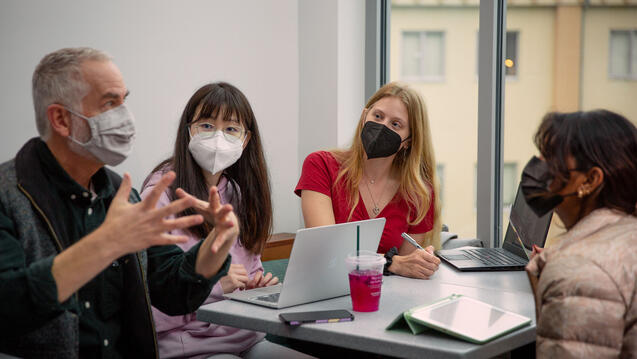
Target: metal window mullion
(377,13)
(490,121)
(384,20)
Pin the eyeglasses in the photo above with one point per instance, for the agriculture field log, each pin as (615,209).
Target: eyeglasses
(232,133)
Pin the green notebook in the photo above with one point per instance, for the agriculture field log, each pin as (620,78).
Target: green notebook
(462,317)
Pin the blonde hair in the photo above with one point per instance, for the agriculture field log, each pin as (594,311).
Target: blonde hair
(415,165)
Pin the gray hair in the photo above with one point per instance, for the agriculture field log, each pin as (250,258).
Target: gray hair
(58,79)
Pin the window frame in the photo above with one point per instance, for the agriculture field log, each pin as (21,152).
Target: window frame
(517,53)
(632,51)
(422,36)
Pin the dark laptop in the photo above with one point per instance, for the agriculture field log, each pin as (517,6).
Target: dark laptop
(525,229)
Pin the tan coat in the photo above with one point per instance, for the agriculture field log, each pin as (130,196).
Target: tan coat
(586,295)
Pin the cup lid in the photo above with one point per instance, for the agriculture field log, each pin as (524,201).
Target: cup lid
(365,257)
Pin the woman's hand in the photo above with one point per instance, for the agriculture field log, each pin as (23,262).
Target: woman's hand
(237,278)
(420,264)
(222,217)
(261,280)
(536,250)
(202,207)
(214,249)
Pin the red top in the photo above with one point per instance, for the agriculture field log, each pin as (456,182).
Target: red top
(320,170)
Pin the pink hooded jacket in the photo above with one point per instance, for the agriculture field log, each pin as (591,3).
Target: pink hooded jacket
(185,337)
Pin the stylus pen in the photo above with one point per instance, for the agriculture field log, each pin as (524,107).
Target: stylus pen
(411,240)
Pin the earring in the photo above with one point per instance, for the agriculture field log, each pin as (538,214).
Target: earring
(581,192)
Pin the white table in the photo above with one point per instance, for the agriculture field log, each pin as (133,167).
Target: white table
(508,290)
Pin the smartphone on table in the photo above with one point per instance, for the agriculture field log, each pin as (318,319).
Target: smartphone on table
(321,316)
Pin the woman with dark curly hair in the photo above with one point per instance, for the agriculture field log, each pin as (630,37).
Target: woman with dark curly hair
(586,284)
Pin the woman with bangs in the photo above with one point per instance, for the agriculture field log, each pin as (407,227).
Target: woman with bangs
(218,145)
(389,171)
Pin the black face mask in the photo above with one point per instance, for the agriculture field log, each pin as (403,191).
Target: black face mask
(536,178)
(379,141)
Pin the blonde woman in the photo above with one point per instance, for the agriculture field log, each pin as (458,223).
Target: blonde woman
(389,171)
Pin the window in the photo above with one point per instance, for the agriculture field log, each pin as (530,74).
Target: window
(423,55)
(509,183)
(511,59)
(623,54)
(440,171)
(567,66)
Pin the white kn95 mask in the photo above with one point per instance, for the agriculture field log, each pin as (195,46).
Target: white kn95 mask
(214,153)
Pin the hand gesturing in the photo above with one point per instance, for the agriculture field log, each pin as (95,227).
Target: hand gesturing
(222,217)
(134,227)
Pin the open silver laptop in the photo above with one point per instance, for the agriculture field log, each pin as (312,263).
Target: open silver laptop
(316,269)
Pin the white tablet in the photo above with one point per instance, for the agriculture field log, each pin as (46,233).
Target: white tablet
(468,319)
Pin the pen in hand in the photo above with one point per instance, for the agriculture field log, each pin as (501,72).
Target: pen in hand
(412,241)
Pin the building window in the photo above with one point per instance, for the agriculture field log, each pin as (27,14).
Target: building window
(623,54)
(440,171)
(509,183)
(511,58)
(423,55)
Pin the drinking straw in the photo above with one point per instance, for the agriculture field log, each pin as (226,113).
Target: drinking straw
(358,234)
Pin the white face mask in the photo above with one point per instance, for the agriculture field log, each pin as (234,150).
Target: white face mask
(214,153)
(112,135)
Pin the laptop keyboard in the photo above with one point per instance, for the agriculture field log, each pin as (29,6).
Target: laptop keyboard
(271,298)
(493,256)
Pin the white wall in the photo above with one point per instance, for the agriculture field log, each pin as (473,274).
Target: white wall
(351,68)
(332,72)
(299,62)
(318,87)
(166,50)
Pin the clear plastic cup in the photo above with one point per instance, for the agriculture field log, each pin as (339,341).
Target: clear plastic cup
(365,279)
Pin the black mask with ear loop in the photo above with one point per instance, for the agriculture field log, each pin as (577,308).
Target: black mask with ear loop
(536,178)
(379,141)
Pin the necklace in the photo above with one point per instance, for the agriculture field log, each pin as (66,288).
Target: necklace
(376,210)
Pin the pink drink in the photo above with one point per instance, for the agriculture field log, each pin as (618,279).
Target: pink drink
(365,289)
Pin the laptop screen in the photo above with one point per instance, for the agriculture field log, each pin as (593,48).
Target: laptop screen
(525,225)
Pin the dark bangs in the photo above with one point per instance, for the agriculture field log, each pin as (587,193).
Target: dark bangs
(220,100)
(249,175)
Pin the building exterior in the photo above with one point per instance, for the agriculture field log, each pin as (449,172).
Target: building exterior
(560,55)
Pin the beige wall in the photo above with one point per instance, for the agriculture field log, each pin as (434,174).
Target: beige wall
(598,90)
(452,103)
(529,95)
(566,58)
